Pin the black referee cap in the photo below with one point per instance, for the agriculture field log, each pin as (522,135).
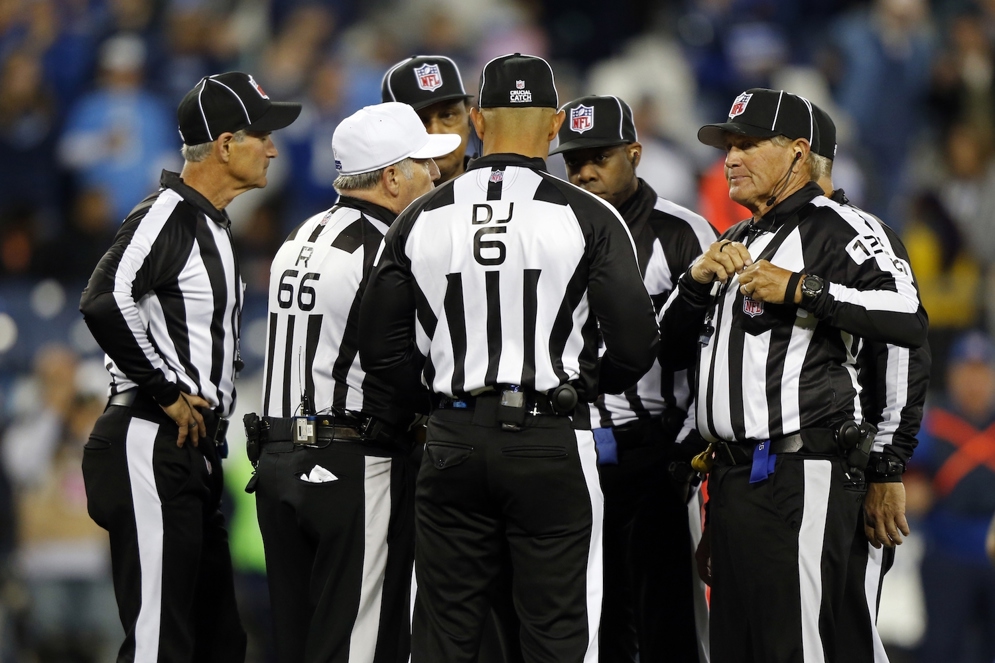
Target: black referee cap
(763,113)
(422,81)
(517,81)
(595,122)
(825,143)
(230,102)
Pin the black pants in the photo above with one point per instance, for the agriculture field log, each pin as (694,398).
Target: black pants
(169,548)
(857,638)
(650,586)
(535,492)
(780,549)
(338,553)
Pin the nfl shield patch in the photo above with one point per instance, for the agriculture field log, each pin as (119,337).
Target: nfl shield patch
(259,88)
(752,307)
(581,118)
(497,176)
(520,85)
(739,106)
(429,77)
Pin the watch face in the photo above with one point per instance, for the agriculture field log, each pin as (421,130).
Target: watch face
(811,286)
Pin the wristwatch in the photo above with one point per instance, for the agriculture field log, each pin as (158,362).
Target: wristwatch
(812,287)
(883,468)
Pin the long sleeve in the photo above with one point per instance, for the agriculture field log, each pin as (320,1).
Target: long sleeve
(148,251)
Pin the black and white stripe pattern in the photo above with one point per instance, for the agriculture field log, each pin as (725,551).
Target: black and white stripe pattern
(316,283)
(770,370)
(509,269)
(165,301)
(668,239)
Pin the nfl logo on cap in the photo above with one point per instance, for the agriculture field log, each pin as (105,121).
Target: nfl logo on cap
(739,106)
(581,118)
(429,77)
(520,85)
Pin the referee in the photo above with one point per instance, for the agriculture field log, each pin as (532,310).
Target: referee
(777,309)
(893,381)
(331,488)
(490,289)
(432,85)
(654,605)
(164,303)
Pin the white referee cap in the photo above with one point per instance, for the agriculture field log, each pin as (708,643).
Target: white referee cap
(378,136)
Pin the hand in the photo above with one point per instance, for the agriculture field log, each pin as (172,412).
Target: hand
(765,282)
(190,422)
(703,557)
(884,514)
(722,261)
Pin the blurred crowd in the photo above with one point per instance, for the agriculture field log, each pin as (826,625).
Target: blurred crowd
(88,91)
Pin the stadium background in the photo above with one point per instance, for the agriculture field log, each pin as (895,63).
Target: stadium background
(88,91)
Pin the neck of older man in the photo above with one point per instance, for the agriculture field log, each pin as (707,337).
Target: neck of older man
(797,180)
(524,131)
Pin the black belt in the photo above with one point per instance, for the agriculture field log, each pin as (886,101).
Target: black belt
(536,403)
(217,426)
(811,441)
(282,429)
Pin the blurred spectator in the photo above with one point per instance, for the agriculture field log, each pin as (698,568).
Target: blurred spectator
(63,556)
(962,88)
(119,137)
(72,254)
(956,453)
(296,50)
(949,277)
(20,228)
(882,84)
(713,199)
(664,165)
(28,124)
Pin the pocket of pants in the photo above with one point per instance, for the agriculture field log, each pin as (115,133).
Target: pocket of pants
(535,452)
(444,455)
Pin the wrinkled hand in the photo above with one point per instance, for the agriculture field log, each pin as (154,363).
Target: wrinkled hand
(884,514)
(765,282)
(703,557)
(188,419)
(722,261)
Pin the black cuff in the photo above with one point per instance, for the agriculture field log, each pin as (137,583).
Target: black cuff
(696,293)
(169,395)
(789,291)
(884,468)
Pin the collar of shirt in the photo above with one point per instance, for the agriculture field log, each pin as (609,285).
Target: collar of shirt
(171,180)
(839,196)
(368,208)
(780,212)
(501,160)
(639,205)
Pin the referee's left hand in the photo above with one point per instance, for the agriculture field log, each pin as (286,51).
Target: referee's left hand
(188,420)
(884,514)
(765,282)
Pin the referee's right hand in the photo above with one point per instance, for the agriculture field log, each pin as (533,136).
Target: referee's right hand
(723,260)
(190,422)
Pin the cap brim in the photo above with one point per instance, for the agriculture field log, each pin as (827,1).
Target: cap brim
(586,143)
(438,145)
(281,114)
(425,103)
(714,135)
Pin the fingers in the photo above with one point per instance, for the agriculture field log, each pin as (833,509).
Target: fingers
(721,262)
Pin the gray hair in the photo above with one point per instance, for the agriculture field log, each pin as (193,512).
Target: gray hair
(197,153)
(365,181)
(818,166)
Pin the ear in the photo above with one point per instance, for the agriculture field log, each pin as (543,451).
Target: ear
(801,148)
(477,120)
(223,146)
(557,122)
(634,151)
(391,180)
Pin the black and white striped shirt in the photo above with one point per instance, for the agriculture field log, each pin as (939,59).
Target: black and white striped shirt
(770,370)
(893,380)
(668,238)
(317,281)
(165,301)
(502,276)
